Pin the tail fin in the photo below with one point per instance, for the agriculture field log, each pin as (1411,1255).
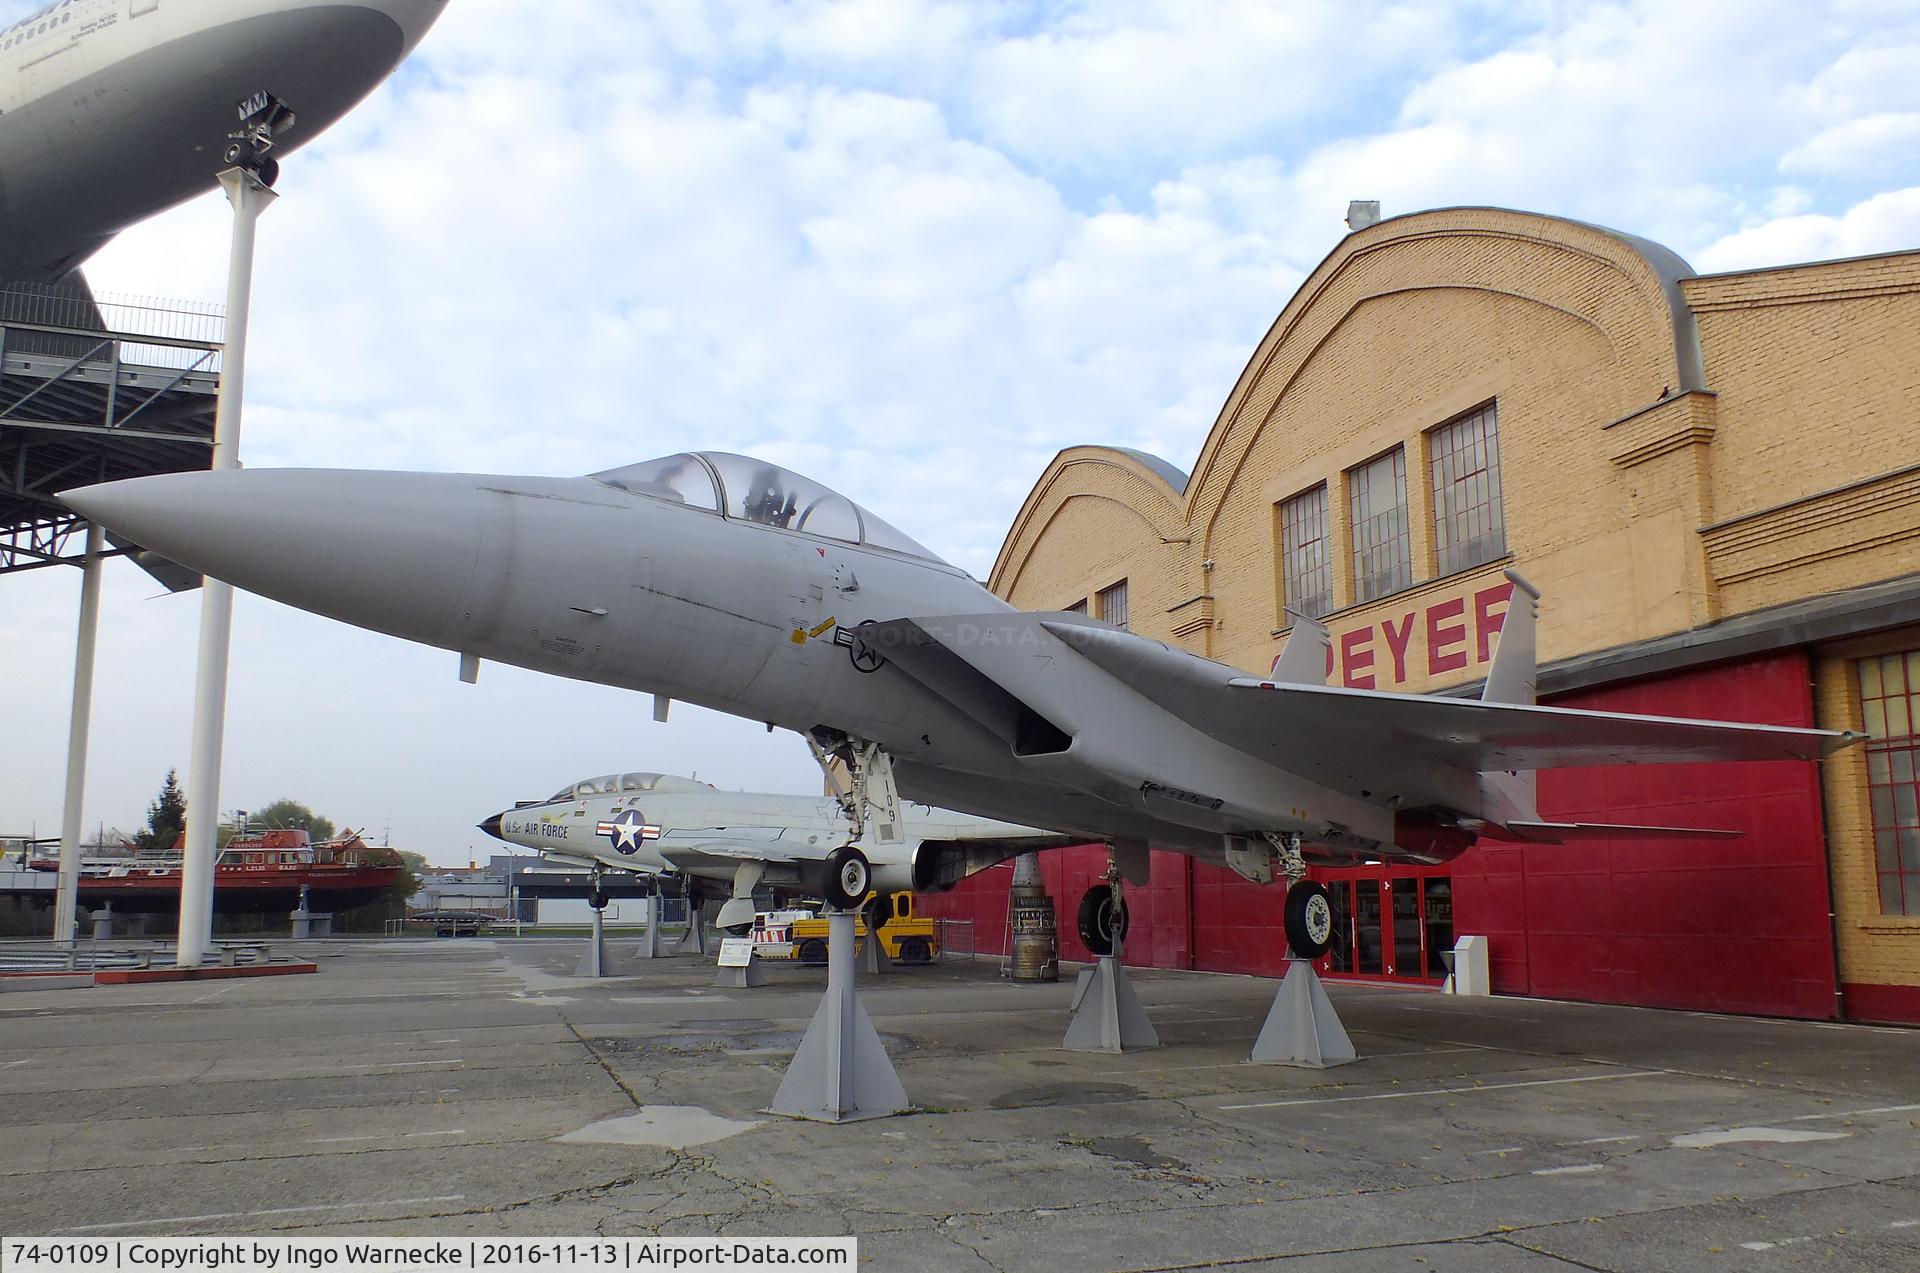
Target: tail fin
(1510,798)
(1303,660)
(1511,678)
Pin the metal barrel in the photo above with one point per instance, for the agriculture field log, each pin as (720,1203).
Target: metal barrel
(1036,940)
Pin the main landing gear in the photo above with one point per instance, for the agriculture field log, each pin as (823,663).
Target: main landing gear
(1107,1016)
(1301,1027)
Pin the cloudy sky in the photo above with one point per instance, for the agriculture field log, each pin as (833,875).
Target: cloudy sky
(909,247)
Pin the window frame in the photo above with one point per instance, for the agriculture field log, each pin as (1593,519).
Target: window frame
(1450,516)
(1400,577)
(1286,552)
(1102,601)
(1886,682)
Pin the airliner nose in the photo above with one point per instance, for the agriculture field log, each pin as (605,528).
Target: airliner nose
(413,17)
(492,826)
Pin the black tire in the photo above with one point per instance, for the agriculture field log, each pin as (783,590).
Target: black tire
(914,950)
(738,930)
(268,172)
(1309,917)
(812,951)
(849,878)
(1102,923)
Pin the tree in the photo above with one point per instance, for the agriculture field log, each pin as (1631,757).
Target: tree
(286,815)
(392,904)
(166,818)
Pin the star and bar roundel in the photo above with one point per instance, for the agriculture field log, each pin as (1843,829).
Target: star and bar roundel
(628,830)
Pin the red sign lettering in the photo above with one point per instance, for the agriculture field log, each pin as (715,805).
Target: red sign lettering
(1354,659)
(1439,637)
(1397,643)
(1486,623)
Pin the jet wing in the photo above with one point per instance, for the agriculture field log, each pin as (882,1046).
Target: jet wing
(724,848)
(1349,739)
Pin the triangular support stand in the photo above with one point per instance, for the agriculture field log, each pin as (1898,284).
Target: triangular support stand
(593,960)
(694,940)
(1107,1016)
(873,955)
(841,1072)
(1302,1028)
(650,939)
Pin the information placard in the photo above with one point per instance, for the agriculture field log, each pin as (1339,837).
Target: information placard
(736,952)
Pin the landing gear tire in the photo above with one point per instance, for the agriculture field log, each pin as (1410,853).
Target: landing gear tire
(1309,919)
(597,899)
(849,879)
(738,930)
(1103,920)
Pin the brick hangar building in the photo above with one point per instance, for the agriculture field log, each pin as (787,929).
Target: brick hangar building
(1715,481)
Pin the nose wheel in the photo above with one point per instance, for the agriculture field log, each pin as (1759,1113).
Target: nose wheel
(849,878)
(1102,919)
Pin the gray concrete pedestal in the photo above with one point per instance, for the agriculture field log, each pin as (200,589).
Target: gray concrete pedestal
(103,923)
(841,1072)
(694,940)
(593,960)
(1107,1016)
(753,973)
(1302,1028)
(650,939)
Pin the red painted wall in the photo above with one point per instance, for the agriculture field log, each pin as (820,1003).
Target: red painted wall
(1723,925)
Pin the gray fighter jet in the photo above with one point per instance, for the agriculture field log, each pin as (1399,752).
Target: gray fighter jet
(663,825)
(733,583)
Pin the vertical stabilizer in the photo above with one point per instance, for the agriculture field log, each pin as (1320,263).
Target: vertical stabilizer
(1508,797)
(1303,660)
(1511,678)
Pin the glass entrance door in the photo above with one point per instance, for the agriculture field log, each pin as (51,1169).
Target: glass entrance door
(1389,923)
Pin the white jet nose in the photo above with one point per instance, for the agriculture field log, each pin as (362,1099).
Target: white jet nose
(389,551)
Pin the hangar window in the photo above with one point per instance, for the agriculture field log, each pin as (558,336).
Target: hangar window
(1382,555)
(1113,604)
(1890,699)
(1470,527)
(1078,607)
(1303,553)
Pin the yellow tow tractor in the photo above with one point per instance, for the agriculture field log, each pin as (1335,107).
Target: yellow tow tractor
(904,934)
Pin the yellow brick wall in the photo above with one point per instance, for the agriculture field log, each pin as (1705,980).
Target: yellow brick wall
(1817,368)
(1873,948)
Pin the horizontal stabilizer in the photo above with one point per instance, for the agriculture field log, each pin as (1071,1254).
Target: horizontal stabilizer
(1562,832)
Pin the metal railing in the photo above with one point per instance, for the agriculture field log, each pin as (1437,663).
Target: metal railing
(84,956)
(59,319)
(953,929)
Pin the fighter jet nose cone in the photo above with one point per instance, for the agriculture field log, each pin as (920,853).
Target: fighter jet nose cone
(492,827)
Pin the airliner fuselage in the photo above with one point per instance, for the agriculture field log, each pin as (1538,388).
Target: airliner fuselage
(113,110)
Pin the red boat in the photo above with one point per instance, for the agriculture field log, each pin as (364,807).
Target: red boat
(253,874)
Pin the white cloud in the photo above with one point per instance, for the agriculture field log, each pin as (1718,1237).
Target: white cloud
(1887,222)
(1871,146)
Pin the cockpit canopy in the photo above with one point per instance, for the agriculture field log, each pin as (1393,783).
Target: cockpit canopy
(625,785)
(751,490)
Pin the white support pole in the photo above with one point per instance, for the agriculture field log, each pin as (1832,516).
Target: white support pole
(249,199)
(67,890)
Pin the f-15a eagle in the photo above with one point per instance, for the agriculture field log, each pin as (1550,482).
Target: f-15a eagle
(660,824)
(733,583)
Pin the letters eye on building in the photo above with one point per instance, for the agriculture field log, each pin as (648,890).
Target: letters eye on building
(1456,391)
